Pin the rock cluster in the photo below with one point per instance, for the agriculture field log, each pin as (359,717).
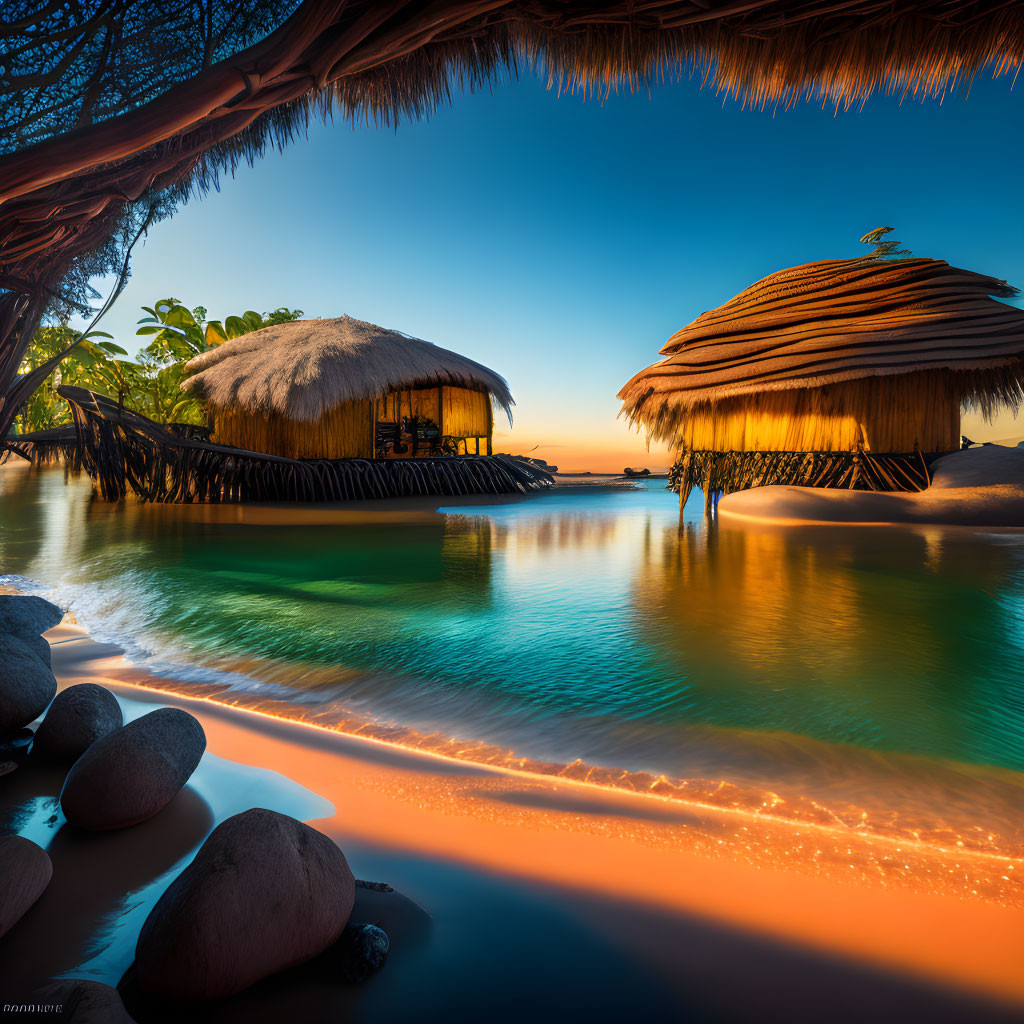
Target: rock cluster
(264,893)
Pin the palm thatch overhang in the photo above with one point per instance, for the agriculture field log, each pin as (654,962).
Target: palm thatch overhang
(844,373)
(127,454)
(106,108)
(344,388)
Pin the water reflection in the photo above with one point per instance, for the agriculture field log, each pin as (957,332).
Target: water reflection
(866,669)
(899,639)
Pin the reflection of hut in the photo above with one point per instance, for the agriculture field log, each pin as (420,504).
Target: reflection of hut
(338,389)
(842,373)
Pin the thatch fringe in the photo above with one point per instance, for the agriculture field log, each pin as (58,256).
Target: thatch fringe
(125,453)
(912,412)
(718,473)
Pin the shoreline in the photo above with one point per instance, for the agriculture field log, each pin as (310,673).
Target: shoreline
(775,802)
(750,878)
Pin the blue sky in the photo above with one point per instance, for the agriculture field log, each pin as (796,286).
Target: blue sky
(562,240)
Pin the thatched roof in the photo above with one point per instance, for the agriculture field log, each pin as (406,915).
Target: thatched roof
(838,320)
(305,367)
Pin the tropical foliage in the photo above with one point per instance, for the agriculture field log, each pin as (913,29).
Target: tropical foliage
(91,365)
(150,385)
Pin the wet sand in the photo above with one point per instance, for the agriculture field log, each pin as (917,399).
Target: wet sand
(543,900)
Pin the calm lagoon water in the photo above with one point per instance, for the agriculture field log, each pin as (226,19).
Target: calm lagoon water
(882,667)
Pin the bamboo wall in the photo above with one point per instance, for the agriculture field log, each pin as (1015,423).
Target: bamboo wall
(348,431)
(344,432)
(467,413)
(421,402)
(883,414)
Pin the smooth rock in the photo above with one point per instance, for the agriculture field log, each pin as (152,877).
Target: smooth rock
(77,718)
(362,949)
(83,1002)
(25,871)
(22,613)
(26,684)
(134,772)
(14,746)
(265,892)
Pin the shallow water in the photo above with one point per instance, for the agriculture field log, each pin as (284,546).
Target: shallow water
(875,672)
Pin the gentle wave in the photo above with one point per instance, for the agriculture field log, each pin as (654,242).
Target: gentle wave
(718,795)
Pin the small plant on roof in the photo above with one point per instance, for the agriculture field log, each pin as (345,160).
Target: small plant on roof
(884,248)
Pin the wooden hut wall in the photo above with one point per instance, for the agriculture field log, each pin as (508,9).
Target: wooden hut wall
(421,402)
(884,414)
(348,431)
(344,432)
(467,413)
(459,412)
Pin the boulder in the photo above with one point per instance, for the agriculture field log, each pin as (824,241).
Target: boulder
(25,871)
(83,1002)
(21,614)
(361,950)
(26,684)
(134,772)
(265,892)
(77,718)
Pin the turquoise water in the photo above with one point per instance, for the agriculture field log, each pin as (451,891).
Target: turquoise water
(578,624)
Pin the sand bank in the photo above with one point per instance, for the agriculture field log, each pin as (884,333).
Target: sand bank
(978,487)
(570,900)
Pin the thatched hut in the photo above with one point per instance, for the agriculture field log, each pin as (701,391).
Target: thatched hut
(847,373)
(342,388)
(310,411)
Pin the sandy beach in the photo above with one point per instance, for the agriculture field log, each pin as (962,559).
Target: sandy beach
(566,897)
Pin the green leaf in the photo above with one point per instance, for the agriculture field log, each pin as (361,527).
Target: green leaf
(215,334)
(235,326)
(179,316)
